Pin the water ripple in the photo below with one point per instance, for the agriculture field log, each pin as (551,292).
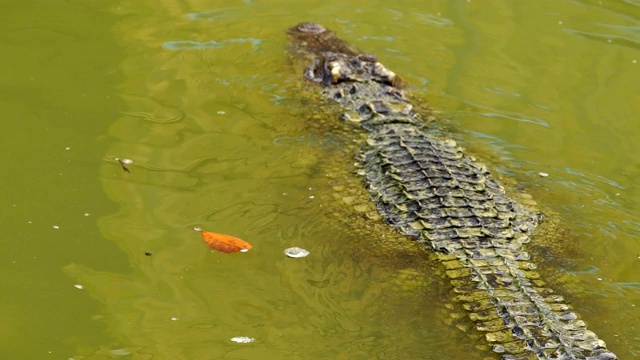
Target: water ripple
(383,38)
(622,40)
(627,286)
(155,118)
(206,15)
(487,111)
(633,226)
(437,19)
(519,117)
(593,177)
(195,45)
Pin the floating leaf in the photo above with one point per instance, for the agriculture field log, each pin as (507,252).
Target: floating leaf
(224,243)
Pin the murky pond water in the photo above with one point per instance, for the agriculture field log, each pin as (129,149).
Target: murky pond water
(102,263)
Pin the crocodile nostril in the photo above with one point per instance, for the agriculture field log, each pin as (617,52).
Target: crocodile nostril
(310,27)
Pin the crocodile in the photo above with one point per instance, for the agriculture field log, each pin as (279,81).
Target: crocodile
(428,188)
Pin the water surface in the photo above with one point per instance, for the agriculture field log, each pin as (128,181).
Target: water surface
(202,97)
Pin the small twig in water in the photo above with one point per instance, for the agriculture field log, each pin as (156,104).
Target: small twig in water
(123,163)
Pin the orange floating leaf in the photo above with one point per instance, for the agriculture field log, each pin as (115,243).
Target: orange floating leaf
(224,243)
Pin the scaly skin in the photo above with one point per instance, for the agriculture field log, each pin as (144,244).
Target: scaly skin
(428,188)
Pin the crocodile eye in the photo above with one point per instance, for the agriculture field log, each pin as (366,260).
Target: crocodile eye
(365,110)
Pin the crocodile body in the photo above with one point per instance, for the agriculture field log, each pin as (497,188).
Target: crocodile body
(428,188)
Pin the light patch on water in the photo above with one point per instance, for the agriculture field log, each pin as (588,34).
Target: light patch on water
(242,339)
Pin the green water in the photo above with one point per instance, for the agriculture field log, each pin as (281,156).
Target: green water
(202,98)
